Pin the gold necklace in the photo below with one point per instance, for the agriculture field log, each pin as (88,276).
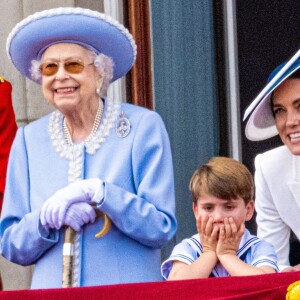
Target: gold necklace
(96,124)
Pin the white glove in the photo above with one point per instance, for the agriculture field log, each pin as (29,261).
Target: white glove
(79,214)
(54,209)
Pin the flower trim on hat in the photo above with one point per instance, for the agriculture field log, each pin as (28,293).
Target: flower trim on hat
(70,11)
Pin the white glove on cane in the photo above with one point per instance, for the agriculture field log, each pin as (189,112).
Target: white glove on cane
(79,214)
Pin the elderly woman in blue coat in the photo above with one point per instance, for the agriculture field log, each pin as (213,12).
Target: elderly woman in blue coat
(91,155)
(276,110)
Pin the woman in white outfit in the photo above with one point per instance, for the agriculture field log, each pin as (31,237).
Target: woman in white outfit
(276,110)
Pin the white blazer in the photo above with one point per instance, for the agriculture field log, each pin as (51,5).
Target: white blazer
(277,199)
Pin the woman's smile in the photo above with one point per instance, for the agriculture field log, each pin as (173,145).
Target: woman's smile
(295,137)
(66,90)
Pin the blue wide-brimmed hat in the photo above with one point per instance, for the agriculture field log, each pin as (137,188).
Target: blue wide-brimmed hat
(32,36)
(261,122)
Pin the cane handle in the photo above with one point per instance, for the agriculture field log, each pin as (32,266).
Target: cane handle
(106,225)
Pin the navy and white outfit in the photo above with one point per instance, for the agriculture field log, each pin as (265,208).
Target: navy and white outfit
(252,251)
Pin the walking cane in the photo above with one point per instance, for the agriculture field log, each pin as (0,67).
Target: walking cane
(68,249)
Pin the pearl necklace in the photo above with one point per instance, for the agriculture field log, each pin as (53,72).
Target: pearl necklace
(68,151)
(96,124)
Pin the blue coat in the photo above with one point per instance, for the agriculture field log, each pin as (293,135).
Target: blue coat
(139,199)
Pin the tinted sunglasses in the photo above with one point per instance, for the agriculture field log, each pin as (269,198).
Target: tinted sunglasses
(70,66)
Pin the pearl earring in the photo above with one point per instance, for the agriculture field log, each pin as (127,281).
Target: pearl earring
(98,91)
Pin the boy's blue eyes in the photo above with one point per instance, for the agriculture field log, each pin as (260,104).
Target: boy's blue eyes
(210,208)
(229,207)
(207,208)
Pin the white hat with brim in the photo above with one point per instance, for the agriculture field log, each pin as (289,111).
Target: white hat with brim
(261,122)
(32,36)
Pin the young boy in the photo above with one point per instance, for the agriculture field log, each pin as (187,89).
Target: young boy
(222,192)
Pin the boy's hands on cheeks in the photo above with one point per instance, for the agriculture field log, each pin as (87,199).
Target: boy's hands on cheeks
(229,238)
(221,239)
(208,233)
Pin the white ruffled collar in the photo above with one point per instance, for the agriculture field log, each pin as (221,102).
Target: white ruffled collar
(68,151)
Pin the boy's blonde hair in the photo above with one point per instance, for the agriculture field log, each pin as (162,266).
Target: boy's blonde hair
(224,178)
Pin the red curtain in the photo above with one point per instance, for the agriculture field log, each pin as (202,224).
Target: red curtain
(271,286)
(8,128)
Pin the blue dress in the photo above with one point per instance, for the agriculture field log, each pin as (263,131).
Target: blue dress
(139,198)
